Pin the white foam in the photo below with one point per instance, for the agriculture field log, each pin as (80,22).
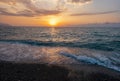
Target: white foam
(28,53)
(98,59)
(52,55)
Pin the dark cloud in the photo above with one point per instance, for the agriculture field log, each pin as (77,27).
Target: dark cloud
(96,13)
(32,8)
(29,11)
(79,1)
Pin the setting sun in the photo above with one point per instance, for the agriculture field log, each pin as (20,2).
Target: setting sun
(53,22)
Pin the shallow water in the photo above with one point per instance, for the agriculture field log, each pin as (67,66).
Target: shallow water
(98,46)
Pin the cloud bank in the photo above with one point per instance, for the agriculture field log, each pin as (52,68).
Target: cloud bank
(79,1)
(30,8)
(95,13)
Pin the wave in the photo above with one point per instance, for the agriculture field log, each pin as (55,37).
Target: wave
(21,53)
(16,52)
(106,46)
(96,60)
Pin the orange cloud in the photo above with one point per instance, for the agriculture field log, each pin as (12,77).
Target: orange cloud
(30,8)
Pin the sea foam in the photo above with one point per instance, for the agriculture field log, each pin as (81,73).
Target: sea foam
(15,52)
(97,59)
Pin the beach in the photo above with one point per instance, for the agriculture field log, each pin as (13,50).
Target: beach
(44,72)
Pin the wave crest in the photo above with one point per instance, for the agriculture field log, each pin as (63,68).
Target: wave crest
(97,59)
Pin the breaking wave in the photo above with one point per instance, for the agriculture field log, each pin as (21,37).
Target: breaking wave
(109,46)
(96,59)
(16,52)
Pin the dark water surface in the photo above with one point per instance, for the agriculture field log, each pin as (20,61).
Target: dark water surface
(73,45)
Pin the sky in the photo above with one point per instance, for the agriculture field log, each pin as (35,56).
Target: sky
(59,12)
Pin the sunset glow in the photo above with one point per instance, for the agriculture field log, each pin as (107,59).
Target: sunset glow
(45,12)
(60,40)
(53,22)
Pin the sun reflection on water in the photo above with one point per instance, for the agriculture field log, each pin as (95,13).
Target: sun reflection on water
(53,34)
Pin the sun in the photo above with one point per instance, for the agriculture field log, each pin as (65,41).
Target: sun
(53,22)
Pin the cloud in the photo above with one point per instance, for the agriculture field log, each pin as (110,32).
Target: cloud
(79,1)
(96,13)
(28,13)
(4,11)
(30,8)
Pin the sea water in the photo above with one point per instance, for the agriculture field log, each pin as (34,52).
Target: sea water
(68,45)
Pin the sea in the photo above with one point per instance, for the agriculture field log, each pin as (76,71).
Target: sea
(66,45)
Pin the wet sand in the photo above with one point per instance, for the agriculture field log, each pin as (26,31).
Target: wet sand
(44,72)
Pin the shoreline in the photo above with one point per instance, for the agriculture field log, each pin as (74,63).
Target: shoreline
(44,72)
